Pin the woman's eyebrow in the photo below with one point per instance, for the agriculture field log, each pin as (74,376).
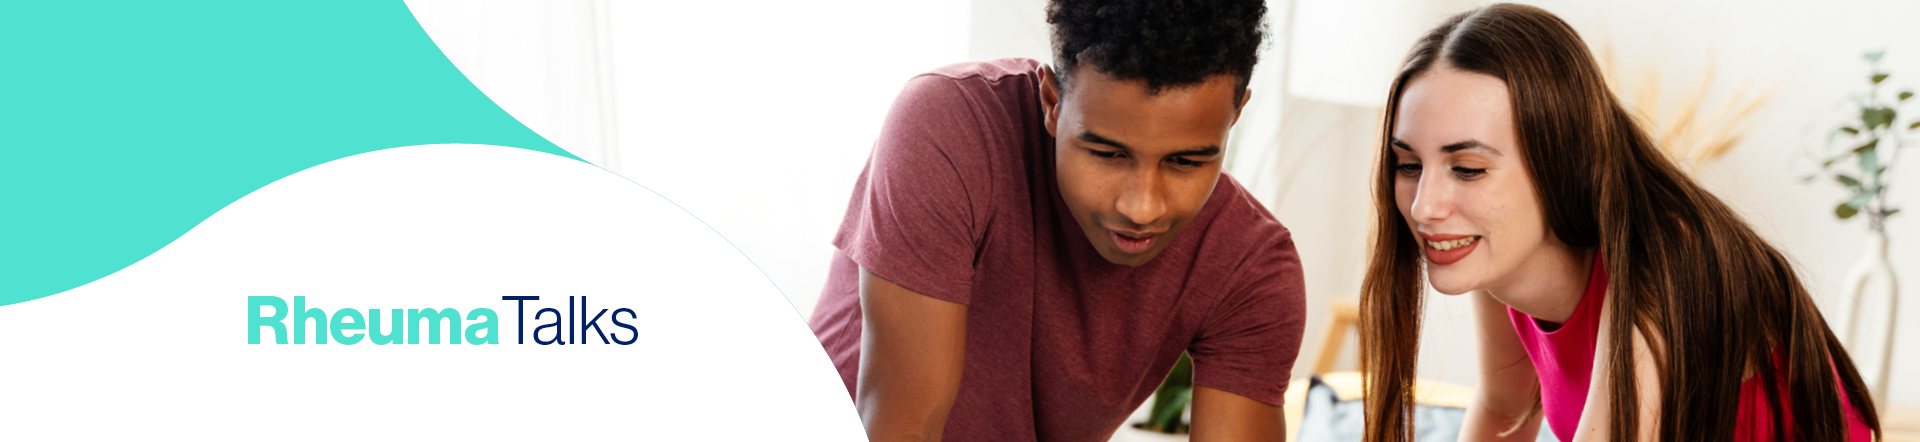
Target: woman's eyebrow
(1468,144)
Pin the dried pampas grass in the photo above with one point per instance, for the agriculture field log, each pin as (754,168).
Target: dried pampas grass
(1692,131)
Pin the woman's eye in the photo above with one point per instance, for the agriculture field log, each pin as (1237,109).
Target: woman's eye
(1408,169)
(1469,174)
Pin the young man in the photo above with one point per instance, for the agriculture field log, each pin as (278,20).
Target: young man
(1031,248)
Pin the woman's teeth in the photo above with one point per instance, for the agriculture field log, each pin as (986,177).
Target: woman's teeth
(1452,244)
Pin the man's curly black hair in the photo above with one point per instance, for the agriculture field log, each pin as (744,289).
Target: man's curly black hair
(1167,43)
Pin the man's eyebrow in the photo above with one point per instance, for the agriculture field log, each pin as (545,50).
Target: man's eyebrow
(1202,151)
(1468,144)
(1090,137)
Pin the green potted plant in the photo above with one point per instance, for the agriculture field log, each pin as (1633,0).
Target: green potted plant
(1171,399)
(1860,156)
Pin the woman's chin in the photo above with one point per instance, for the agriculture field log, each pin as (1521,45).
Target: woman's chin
(1450,292)
(1449,284)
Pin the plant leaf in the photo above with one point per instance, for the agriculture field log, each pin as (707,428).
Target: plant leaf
(1859,200)
(1845,211)
(1905,95)
(1849,130)
(1849,181)
(1870,117)
(1890,212)
(1875,55)
(1870,163)
(1168,419)
(1808,178)
(1866,147)
(1877,78)
(1887,114)
(1915,125)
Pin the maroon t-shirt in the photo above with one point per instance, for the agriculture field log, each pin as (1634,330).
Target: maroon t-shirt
(958,202)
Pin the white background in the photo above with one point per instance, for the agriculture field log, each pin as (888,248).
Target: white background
(159,350)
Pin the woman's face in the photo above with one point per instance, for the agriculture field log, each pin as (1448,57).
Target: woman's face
(1460,182)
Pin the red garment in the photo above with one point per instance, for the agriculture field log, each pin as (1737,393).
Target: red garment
(958,202)
(1563,356)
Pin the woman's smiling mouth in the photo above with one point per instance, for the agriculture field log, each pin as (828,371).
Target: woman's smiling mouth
(1448,249)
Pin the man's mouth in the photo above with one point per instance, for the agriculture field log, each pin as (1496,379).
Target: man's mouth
(1133,243)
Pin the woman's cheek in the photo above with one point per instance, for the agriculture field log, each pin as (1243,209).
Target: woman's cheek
(1506,210)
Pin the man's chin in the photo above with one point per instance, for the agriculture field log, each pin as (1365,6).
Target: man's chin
(1129,259)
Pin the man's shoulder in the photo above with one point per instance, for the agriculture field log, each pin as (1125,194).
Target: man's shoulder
(992,71)
(1251,254)
(995,90)
(979,117)
(1244,243)
(1241,218)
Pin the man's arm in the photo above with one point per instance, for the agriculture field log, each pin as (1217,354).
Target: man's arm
(912,349)
(1222,416)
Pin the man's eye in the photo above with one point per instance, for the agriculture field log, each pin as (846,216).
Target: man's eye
(1184,163)
(1104,153)
(1408,169)
(1468,174)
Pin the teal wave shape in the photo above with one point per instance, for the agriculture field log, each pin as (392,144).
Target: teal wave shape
(125,124)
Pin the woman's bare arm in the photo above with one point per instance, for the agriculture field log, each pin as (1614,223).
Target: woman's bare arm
(1596,418)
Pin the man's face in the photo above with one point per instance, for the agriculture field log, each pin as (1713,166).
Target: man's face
(1135,167)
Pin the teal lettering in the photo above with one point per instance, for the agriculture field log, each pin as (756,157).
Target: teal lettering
(396,331)
(301,314)
(341,326)
(491,325)
(433,316)
(255,319)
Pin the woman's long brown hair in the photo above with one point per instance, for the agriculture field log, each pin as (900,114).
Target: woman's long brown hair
(1709,293)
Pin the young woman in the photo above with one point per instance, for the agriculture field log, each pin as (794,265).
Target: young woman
(1613,296)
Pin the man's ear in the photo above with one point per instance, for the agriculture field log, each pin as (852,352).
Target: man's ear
(1050,99)
(1245,97)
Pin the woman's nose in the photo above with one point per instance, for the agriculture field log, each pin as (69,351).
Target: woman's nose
(1432,200)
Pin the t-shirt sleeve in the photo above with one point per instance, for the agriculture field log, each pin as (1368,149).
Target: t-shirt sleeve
(1249,342)
(919,209)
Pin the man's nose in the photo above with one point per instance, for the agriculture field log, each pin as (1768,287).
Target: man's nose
(1142,198)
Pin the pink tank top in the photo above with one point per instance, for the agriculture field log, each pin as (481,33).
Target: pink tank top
(1563,356)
